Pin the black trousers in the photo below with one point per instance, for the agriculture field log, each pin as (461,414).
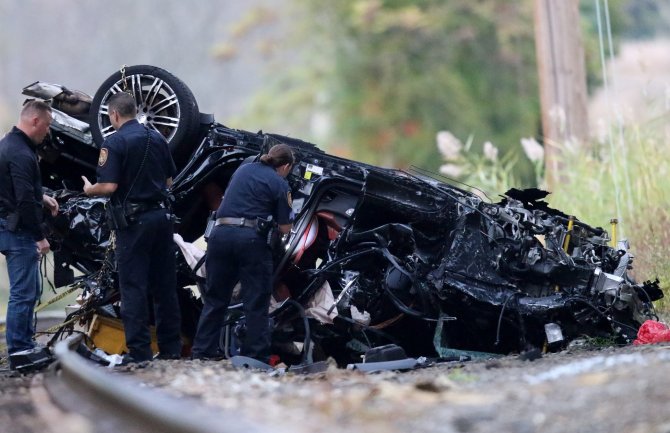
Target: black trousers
(236,254)
(145,253)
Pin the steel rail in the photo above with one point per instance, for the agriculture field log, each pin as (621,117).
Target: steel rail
(142,408)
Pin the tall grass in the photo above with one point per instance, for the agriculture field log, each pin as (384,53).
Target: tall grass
(626,178)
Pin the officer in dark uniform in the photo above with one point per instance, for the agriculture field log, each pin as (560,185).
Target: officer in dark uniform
(135,168)
(236,251)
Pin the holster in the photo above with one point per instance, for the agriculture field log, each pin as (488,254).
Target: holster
(267,228)
(274,238)
(210,225)
(116,217)
(13,221)
(263,226)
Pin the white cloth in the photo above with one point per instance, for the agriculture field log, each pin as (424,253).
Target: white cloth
(318,306)
(191,253)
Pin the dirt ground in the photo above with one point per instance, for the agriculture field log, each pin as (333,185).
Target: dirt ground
(584,389)
(17,414)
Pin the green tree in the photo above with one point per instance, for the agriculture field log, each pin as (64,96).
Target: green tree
(391,74)
(388,75)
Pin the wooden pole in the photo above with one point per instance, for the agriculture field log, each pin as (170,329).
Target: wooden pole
(562,79)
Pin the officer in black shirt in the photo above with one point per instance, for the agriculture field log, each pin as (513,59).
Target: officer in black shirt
(135,168)
(22,235)
(237,252)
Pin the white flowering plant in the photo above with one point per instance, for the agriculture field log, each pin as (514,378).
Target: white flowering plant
(535,153)
(485,172)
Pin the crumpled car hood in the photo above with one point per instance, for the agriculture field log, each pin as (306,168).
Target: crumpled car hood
(410,260)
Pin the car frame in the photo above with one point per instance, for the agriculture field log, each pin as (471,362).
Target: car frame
(376,256)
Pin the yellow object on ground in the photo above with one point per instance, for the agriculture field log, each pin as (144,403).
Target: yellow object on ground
(107,334)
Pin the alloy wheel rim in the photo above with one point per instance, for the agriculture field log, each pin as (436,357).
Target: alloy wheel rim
(157,104)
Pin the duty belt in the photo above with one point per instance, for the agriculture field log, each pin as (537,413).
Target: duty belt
(236,222)
(134,208)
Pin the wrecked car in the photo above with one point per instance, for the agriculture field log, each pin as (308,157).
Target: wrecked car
(376,256)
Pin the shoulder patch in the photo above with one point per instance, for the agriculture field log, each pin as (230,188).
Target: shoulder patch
(102,159)
(289,199)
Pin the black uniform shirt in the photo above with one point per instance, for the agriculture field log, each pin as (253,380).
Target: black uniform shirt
(21,182)
(121,157)
(256,190)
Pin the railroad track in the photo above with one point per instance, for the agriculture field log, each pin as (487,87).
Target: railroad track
(109,402)
(554,394)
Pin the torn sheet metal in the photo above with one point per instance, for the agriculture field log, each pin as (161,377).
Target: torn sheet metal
(381,256)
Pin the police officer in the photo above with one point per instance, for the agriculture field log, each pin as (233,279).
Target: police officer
(135,168)
(237,252)
(22,236)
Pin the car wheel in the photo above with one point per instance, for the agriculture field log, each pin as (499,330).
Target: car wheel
(164,103)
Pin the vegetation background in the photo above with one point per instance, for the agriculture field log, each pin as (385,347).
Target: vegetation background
(380,80)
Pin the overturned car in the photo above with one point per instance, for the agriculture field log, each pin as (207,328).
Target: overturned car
(376,256)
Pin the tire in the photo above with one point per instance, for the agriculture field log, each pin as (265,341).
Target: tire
(164,103)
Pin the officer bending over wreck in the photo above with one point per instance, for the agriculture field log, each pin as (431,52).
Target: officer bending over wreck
(135,168)
(238,250)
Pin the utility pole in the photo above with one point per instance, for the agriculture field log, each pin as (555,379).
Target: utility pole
(562,78)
